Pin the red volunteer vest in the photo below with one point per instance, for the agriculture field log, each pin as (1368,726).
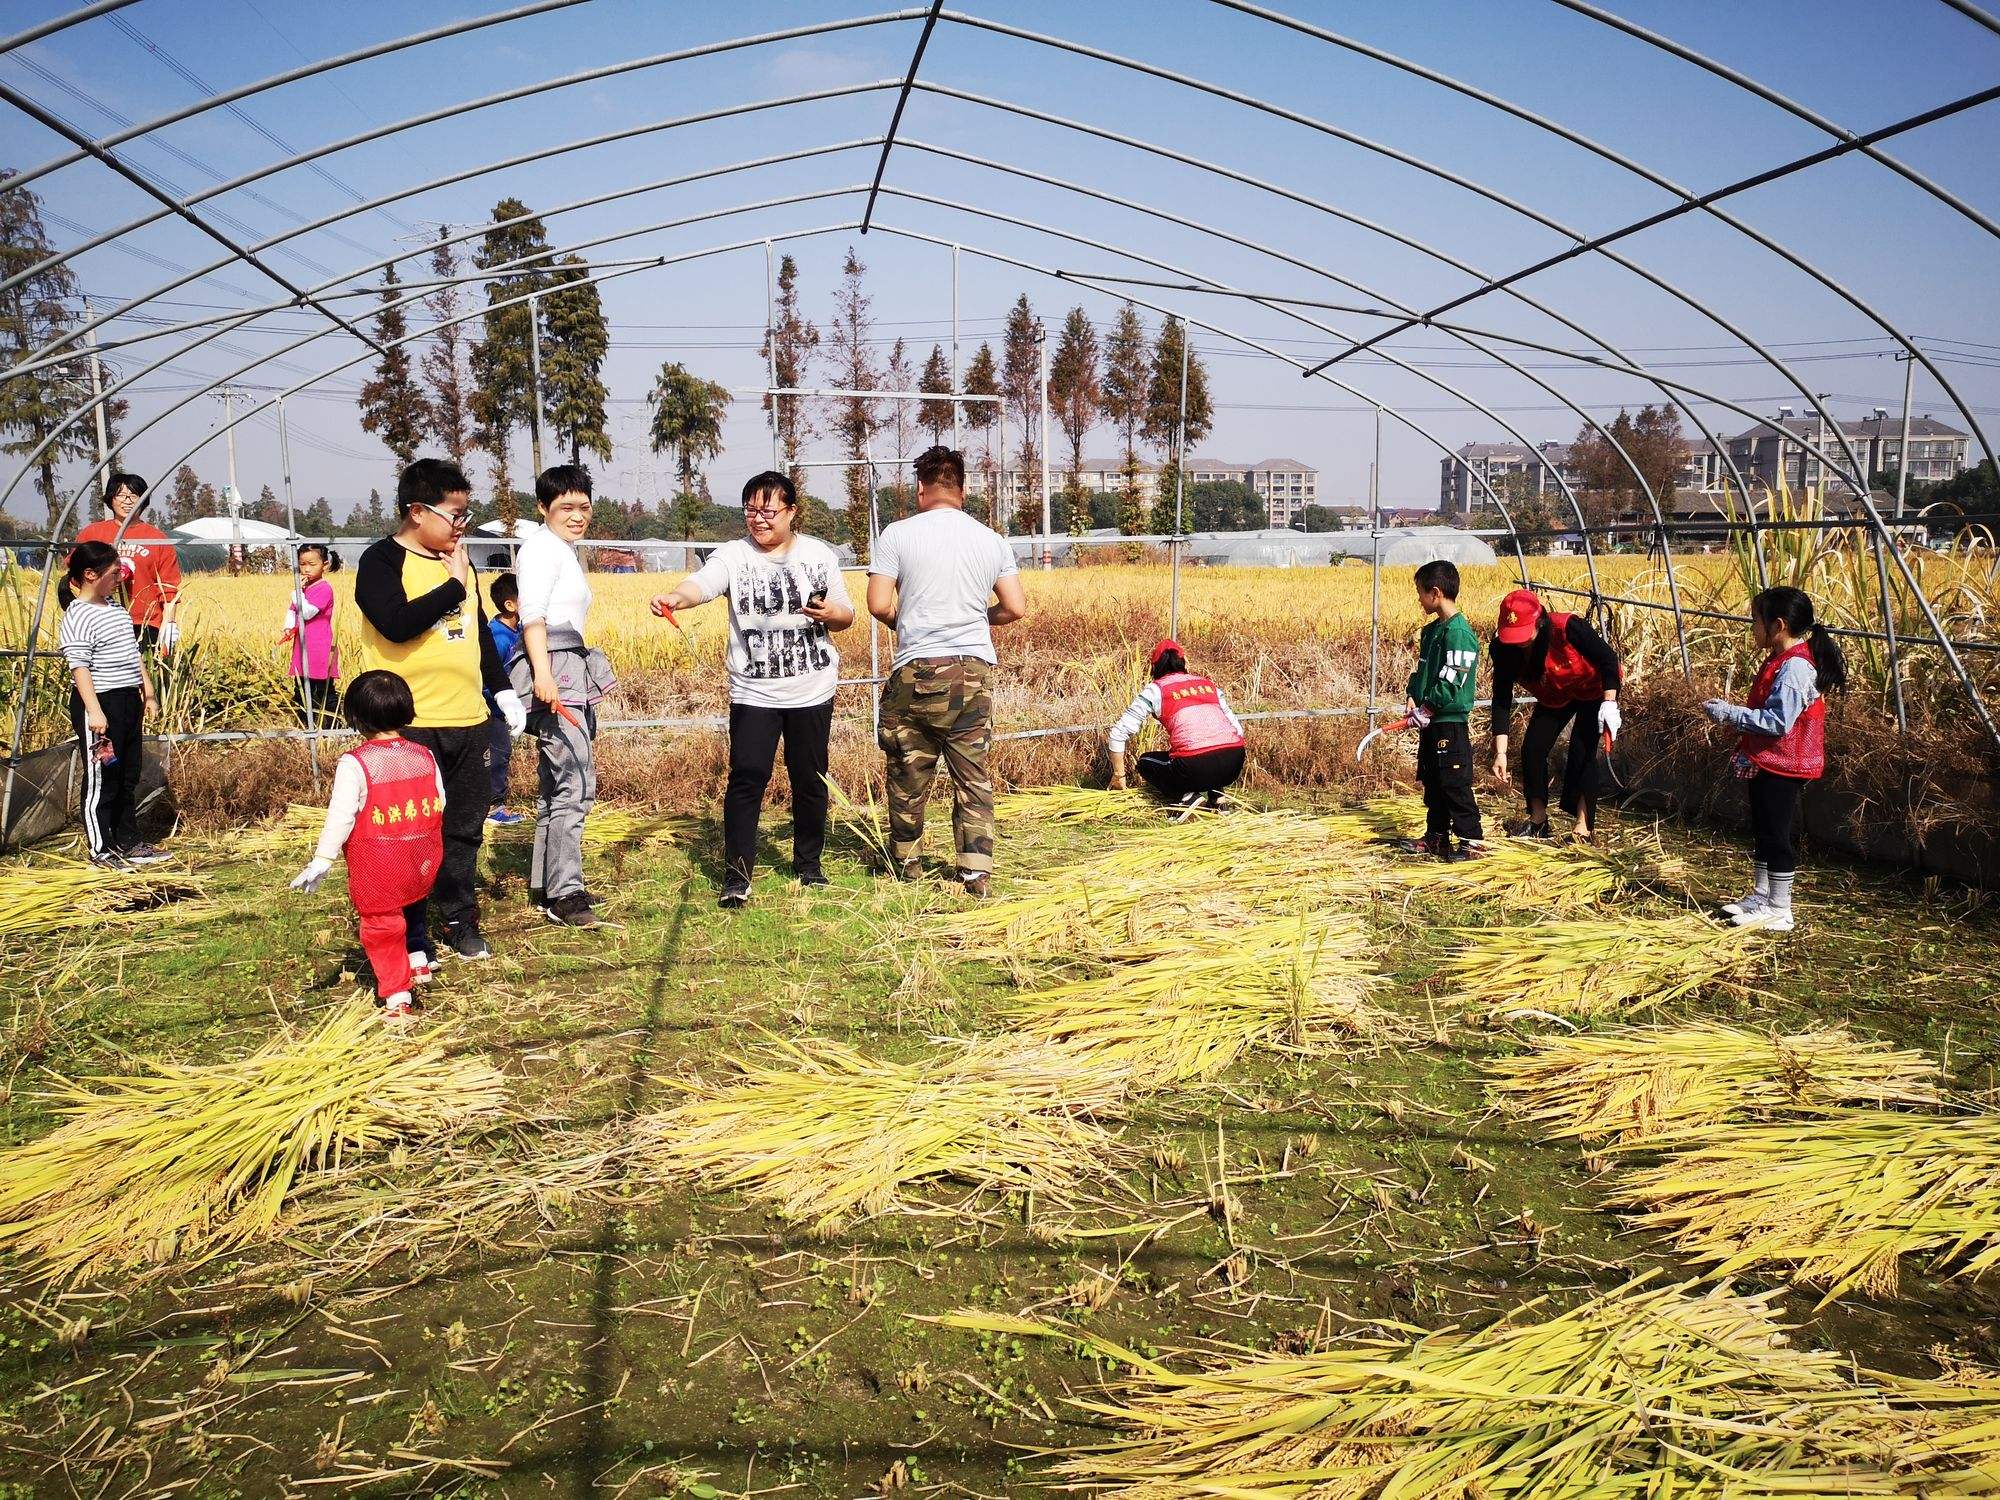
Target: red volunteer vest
(398,840)
(1566,677)
(1191,713)
(1801,750)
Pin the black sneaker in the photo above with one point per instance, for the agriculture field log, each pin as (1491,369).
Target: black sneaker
(1467,849)
(1423,848)
(570,911)
(467,942)
(734,896)
(1530,829)
(813,878)
(145,854)
(111,859)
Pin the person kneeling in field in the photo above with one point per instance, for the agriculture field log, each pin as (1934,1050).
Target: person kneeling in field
(1204,751)
(387,815)
(1574,676)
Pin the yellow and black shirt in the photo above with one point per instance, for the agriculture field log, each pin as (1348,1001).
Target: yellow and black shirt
(419,622)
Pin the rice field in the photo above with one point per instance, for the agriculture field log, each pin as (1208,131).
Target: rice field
(1238,1156)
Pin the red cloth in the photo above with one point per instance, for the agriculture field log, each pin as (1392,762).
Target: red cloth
(1800,752)
(397,844)
(1191,713)
(385,941)
(1566,677)
(154,576)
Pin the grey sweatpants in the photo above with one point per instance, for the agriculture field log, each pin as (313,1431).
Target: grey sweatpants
(566,771)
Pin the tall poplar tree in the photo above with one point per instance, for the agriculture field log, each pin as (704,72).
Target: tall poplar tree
(936,379)
(788,347)
(688,413)
(1021,384)
(392,407)
(852,364)
(575,340)
(444,366)
(1123,400)
(1164,412)
(1075,395)
(516,248)
(982,378)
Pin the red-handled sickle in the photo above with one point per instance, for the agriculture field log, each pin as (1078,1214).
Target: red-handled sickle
(1394,726)
(666,612)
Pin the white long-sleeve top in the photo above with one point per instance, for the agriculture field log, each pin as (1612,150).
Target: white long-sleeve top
(350,794)
(1147,706)
(554,588)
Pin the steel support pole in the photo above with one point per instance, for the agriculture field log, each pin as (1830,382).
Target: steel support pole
(1903,447)
(535,376)
(298,595)
(1889,630)
(1375,571)
(97,407)
(771,348)
(1180,489)
(954,349)
(1002,501)
(1042,380)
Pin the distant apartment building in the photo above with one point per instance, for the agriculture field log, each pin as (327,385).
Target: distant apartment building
(1285,485)
(1778,448)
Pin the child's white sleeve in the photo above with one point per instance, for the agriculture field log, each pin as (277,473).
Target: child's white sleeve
(1228,712)
(350,791)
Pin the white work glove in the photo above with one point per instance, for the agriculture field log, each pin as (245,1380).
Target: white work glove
(1609,719)
(308,879)
(1419,717)
(1719,710)
(170,637)
(509,704)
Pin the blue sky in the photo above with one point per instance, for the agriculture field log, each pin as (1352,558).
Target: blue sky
(1926,268)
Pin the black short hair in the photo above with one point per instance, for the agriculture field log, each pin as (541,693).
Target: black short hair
(90,557)
(506,588)
(1441,575)
(563,479)
(426,481)
(941,463)
(1170,661)
(766,482)
(113,483)
(379,701)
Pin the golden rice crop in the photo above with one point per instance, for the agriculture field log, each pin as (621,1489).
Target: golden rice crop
(1635,1082)
(1839,1198)
(1188,1014)
(824,1133)
(1673,1390)
(47,895)
(1596,965)
(186,1160)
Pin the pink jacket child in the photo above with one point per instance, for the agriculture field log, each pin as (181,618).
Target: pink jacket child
(314,654)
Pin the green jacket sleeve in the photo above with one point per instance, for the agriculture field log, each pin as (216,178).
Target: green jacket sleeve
(1420,680)
(1451,665)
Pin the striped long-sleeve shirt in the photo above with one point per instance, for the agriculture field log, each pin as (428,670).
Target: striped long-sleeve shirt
(1447,675)
(99,636)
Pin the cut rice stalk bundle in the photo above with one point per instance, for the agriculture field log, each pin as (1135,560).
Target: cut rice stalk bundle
(1074,806)
(182,1161)
(1189,1014)
(1640,1392)
(1635,1082)
(1594,966)
(1525,875)
(824,1133)
(1840,1198)
(49,895)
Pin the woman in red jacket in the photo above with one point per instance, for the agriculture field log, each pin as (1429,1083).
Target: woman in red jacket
(1783,745)
(1204,751)
(1574,676)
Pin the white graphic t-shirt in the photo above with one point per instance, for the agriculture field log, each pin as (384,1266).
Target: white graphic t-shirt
(777,657)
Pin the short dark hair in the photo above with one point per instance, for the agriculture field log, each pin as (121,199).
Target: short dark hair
(505,588)
(90,557)
(1170,661)
(113,483)
(1441,575)
(379,701)
(562,479)
(426,481)
(766,482)
(326,554)
(941,463)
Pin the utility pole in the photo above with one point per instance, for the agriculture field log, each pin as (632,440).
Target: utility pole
(97,407)
(231,496)
(535,375)
(1909,362)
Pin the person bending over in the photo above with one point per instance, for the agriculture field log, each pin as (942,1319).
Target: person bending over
(1574,676)
(1204,751)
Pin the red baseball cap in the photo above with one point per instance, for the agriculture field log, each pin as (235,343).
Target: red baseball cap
(1169,644)
(1520,613)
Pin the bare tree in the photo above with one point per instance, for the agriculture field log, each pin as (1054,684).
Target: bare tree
(445,366)
(853,367)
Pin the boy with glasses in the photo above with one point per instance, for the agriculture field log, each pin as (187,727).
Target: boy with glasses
(421,619)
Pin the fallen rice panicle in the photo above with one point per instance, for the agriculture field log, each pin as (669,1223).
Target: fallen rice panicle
(825,1133)
(1527,875)
(1636,1082)
(188,1160)
(1596,965)
(1659,1391)
(48,895)
(1839,1197)
(1074,805)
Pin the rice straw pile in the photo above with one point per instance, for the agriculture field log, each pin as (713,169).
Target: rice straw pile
(1075,806)
(48,895)
(1592,966)
(181,1161)
(824,1133)
(1190,1014)
(1636,1082)
(1528,875)
(1840,1197)
(1659,1392)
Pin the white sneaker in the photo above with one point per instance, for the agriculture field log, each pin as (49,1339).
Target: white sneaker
(1755,901)
(1181,811)
(397,1007)
(421,971)
(1765,918)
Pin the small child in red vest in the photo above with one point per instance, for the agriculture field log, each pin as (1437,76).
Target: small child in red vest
(1204,750)
(1783,744)
(387,814)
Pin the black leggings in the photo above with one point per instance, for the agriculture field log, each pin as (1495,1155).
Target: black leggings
(111,792)
(1175,777)
(1579,770)
(1774,816)
(753,749)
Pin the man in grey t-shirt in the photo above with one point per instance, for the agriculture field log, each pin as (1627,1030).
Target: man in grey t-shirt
(941,581)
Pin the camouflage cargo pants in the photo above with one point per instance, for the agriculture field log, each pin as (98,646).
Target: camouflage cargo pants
(931,707)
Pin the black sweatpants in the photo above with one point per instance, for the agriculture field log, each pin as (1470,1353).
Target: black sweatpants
(461,758)
(1774,816)
(1579,769)
(1175,777)
(110,800)
(753,749)
(1444,766)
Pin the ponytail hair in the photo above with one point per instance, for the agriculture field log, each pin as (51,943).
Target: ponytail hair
(1792,608)
(327,556)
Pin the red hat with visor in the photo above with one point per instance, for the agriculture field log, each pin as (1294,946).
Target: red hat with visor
(1520,615)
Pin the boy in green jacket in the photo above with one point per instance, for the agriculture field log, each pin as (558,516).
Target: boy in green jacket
(1441,694)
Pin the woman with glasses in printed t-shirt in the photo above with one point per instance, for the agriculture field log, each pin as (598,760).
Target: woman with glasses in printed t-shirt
(421,618)
(785,593)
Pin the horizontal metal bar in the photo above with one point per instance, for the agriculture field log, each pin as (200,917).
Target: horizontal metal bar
(786,390)
(1905,642)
